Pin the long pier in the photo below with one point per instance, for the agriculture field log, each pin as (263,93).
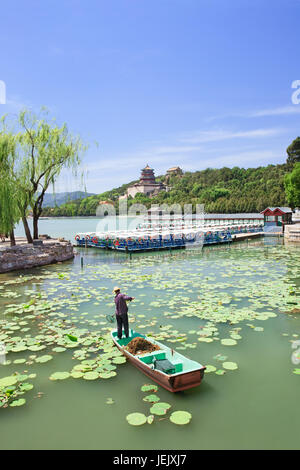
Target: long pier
(145,240)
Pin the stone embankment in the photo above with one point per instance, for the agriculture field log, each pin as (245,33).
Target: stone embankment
(25,255)
(292,232)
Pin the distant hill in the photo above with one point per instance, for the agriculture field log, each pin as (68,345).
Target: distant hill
(224,190)
(56,200)
(86,206)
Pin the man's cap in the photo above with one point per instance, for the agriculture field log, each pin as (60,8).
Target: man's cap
(116,289)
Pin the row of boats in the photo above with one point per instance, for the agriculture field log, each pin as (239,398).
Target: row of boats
(137,240)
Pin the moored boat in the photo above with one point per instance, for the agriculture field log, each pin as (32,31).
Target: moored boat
(182,374)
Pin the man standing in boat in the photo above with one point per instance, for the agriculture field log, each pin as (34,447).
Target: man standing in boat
(121,311)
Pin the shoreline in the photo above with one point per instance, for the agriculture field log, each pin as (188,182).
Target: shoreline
(26,255)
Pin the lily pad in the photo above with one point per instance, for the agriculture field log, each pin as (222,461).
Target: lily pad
(25,387)
(180,417)
(8,381)
(19,402)
(160,408)
(150,419)
(230,365)
(109,401)
(149,388)
(91,376)
(59,349)
(60,376)
(76,374)
(119,360)
(210,368)
(228,342)
(107,375)
(19,361)
(136,419)
(151,398)
(43,359)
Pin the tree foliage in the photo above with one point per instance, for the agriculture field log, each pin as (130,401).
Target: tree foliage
(46,149)
(9,210)
(293,152)
(225,190)
(40,150)
(292,186)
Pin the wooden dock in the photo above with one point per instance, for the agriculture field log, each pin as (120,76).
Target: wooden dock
(246,236)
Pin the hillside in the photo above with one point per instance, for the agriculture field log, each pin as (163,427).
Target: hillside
(225,190)
(57,199)
(86,206)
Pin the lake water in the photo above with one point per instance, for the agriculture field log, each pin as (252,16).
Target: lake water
(68,227)
(191,301)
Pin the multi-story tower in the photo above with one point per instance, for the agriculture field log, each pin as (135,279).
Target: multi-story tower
(146,185)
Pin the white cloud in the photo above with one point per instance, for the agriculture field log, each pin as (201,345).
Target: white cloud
(276,111)
(279,111)
(221,134)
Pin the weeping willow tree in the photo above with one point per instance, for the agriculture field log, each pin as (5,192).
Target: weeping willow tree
(9,209)
(45,150)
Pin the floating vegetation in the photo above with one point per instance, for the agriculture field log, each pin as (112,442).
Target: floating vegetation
(157,410)
(50,314)
(151,398)
(230,365)
(228,342)
(110,401)
(160,408)
(45,358)
(210,368)
(19,402)
(136,419)
(180,417)
(12,387)
(149,388)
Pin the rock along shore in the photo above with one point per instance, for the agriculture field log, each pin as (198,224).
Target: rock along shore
(25,255)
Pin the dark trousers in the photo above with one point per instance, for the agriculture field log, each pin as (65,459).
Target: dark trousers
(122,321)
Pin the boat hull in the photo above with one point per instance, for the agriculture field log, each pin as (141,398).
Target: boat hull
(172,383)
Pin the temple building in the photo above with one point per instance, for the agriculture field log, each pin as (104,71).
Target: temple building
(174,171)
(147,184)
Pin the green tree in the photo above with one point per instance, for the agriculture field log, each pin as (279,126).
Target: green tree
(293,152)
(45,150)
(292,186)
(9,211)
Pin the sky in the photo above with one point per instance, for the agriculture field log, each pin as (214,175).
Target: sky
(189,83)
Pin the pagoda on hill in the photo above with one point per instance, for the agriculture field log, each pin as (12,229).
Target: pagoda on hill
(147,184)
(147,175)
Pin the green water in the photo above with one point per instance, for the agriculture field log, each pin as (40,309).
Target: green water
(232,289)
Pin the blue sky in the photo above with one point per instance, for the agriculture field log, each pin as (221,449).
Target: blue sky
(192,83)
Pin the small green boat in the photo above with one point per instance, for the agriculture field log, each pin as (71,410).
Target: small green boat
(168,368)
